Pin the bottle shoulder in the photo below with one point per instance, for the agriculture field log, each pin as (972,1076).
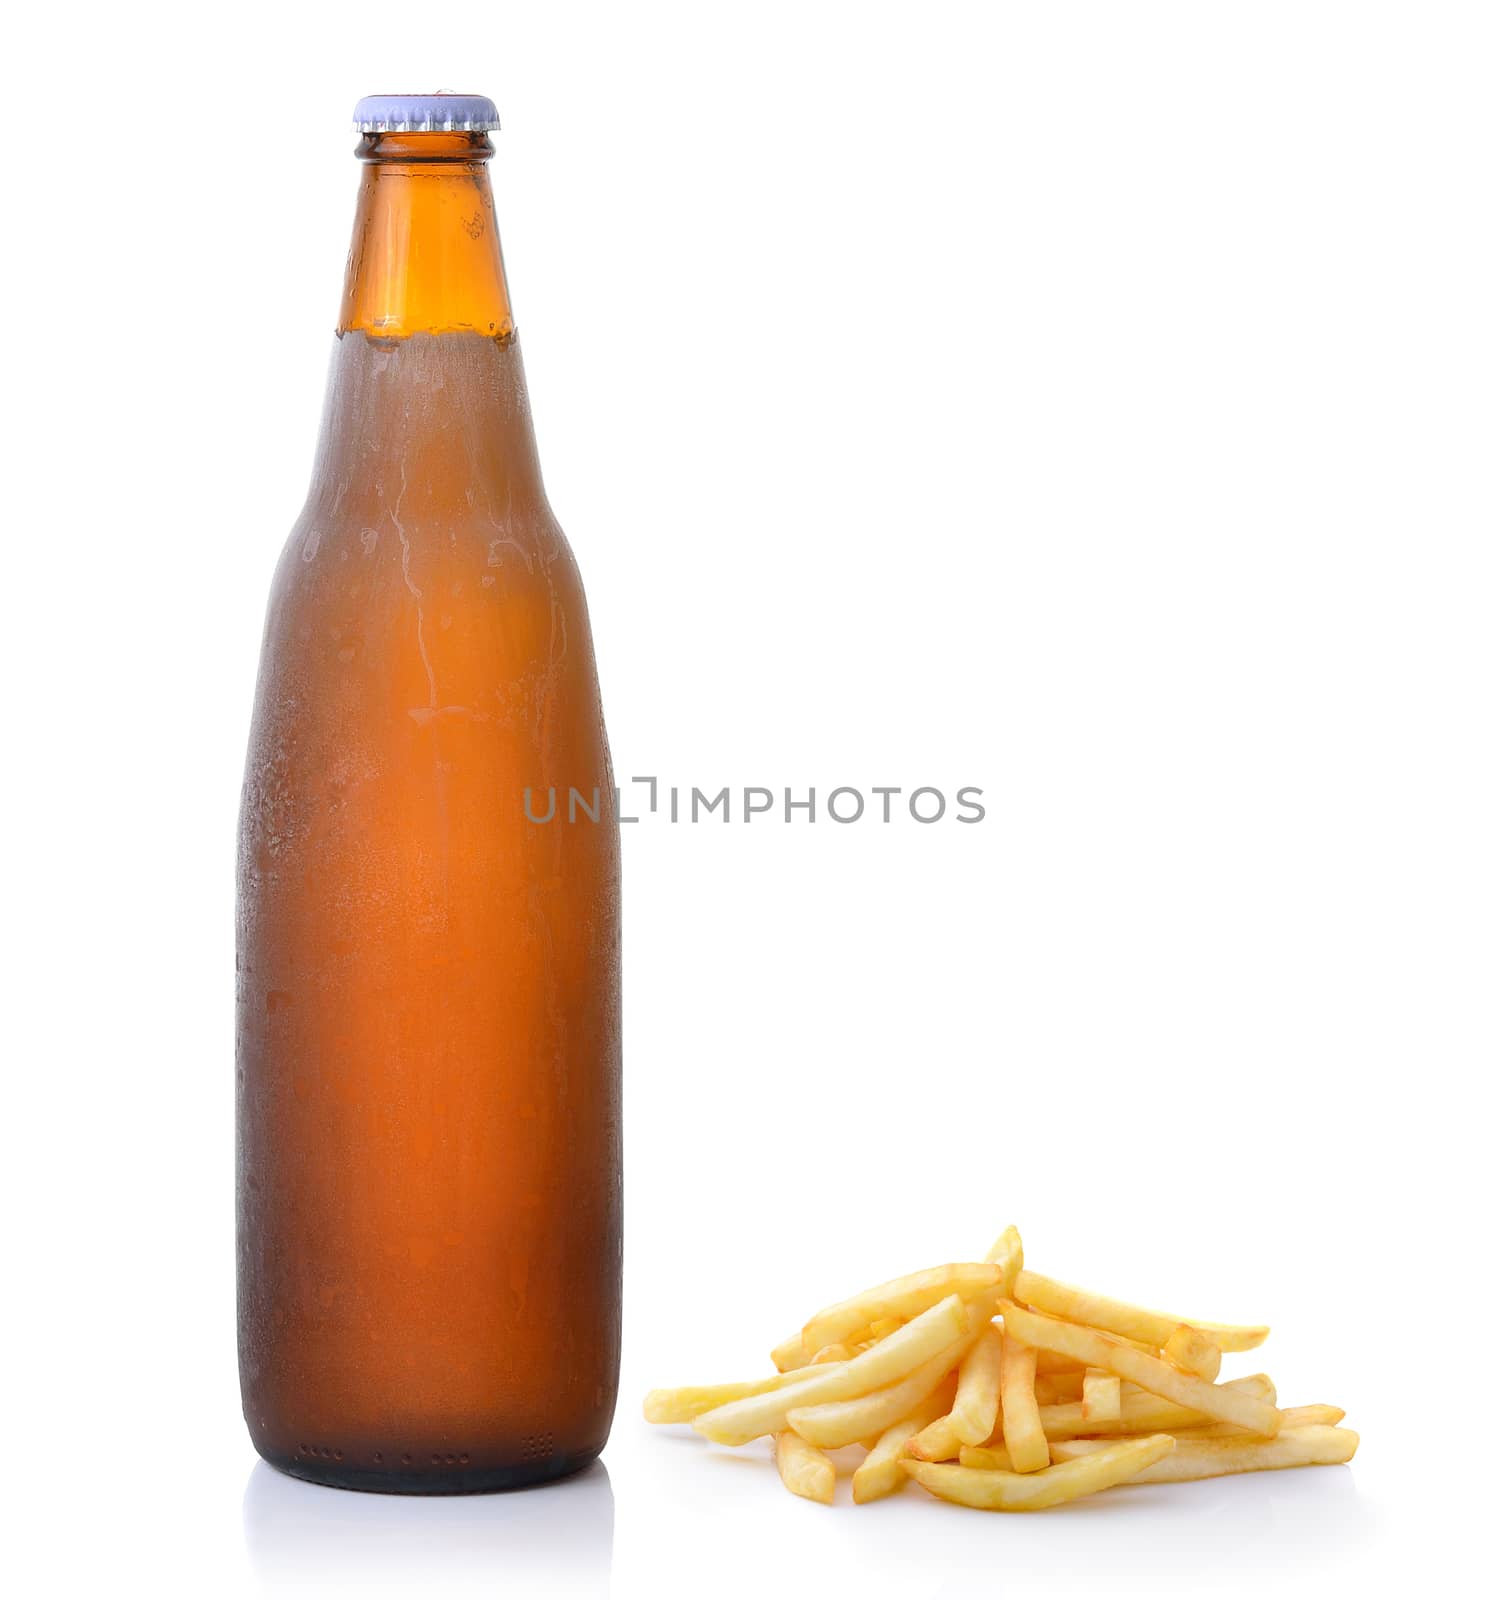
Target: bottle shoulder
(354,539)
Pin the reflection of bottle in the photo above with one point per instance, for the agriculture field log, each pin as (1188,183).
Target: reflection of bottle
(429,986)
(557,1540)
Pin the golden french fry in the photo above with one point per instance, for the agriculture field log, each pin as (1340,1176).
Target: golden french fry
(1054,1388)
(789,1355)
(1021,1425)
(831,1352)
(1193,1351)
(1100,1396)
(880,1473)
(978,1397)
(1152,1328)
(1035,1491)
(885,1363)
(1145,1413)
(936,1442)
(986,1457)
(1052,1365)
(881,1327)
(1006,1253)
(683,1405)
(840,1422)
(1292,1417)
(900,1298)
(1314,1445)
(805,1470)
(1217,1402)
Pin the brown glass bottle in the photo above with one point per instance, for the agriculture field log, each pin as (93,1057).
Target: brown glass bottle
(428,995)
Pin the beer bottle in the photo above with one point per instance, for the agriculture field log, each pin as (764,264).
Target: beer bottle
(428,945)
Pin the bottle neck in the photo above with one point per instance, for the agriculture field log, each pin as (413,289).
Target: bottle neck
(425,257)
(427,418)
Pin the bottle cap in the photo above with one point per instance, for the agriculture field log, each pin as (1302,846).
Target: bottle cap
(444,112)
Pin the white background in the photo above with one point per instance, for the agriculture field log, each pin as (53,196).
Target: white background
(1097,404)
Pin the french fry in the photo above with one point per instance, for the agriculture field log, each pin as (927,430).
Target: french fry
(880,1473)
(978,1397)
(881,1327)
(1152,1328)
(840,1422)
(986,1457)
(1292,1417)
(805,1470)
(1100,1396)
(883,1364)
(1193,1351)
(789,1355)
(1051,1486)
(937,1442)
(902,1298)
(831,1352)
(1217,1402)
(1021,1425)
(1006,1253)
(1053,1365)
(683,1405)
(1145,1413)
(1054,1388)
(1309,1446)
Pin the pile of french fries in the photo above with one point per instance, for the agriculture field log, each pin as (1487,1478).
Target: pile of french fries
(998,1388)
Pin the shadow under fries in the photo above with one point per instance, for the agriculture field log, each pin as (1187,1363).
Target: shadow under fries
(300,1534)
(1220,1535)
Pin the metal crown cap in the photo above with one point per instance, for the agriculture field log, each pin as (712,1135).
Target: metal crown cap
(443,112)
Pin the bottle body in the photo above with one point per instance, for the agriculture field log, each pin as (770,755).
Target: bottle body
(428,984)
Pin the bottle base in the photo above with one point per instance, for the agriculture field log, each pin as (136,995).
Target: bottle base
(431,1480)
